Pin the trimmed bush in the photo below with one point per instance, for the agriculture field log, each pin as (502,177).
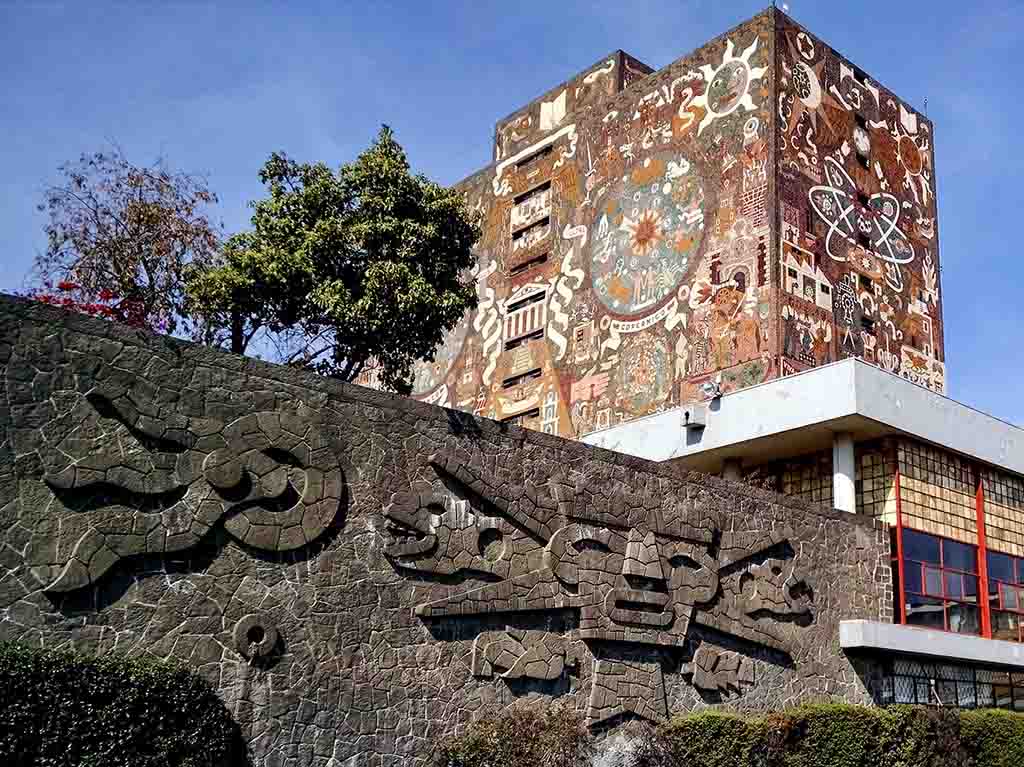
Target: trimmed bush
(62,709)
(994,738)
(823,735)
(524,736)
(710,739)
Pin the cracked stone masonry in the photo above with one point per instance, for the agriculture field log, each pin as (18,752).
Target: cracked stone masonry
(359,574)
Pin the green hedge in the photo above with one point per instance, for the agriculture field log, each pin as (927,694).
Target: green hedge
(826,735)
(62,708)
(524,736)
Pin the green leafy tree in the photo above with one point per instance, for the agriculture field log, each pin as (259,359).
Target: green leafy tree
(368,263)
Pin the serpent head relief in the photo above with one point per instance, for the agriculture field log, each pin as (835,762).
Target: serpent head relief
(271,477)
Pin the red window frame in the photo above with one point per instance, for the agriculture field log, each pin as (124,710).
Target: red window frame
(996,601)
(943,570)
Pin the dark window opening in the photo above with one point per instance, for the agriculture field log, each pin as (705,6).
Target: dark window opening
(861,121)
(518,234)
(860,76)
(536,335)
(539,154)
(521,418)
(826,290)
(508,383)
(527,265)
(524,302)
(867,324)
(528,194)
(865,242)
(863,199)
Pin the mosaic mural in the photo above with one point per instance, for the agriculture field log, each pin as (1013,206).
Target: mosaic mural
(858,244)
(754,209)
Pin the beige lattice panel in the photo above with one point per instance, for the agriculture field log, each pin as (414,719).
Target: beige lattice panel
(1004,512)
(937,492)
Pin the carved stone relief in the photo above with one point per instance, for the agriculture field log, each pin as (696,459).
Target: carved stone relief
(271,477)
(359,576)
(634,577)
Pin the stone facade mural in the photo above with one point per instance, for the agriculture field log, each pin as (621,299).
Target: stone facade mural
(359,574)
(754,209)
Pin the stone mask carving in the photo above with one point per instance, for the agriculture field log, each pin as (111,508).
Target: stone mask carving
(636,577)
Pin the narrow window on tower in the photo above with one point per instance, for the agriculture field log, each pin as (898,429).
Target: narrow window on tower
(526,266)
(508,383)
(540,154)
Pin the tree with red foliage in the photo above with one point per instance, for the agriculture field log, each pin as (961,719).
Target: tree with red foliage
(121,239)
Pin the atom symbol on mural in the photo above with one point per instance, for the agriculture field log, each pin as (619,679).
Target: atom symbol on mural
(878,222)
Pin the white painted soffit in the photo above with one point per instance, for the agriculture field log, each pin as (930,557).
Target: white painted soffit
(798,413)
(872,636)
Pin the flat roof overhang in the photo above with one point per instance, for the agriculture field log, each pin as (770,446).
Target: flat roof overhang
(891,638)
(801,413)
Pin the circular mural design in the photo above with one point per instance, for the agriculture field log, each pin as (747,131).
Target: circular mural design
(648,230)
(427,376)
(728,87)
(910,155)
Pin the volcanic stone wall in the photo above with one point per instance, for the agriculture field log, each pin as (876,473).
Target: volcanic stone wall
(359,574)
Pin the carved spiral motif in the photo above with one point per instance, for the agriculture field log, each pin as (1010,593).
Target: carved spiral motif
(255,636)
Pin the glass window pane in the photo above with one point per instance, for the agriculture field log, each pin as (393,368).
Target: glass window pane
(959,556)
(963,619)
(920,546)
(933,581)
(1010,600)
(925,611)
(970,587)
(1005,626)
(1000,567)
(954,586)
(912,576)
(1020,570)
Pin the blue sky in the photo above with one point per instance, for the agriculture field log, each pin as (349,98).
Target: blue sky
(214,88)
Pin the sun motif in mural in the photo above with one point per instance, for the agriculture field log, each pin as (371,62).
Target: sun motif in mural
(805,95)
(913,150)
(728,85)
(648,230)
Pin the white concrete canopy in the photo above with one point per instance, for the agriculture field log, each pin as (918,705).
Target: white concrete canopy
(802,413)
(872,636)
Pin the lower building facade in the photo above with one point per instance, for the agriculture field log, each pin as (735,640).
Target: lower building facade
(946,481)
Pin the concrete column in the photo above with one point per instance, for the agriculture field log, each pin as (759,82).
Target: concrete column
(731,469)
(844,473)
